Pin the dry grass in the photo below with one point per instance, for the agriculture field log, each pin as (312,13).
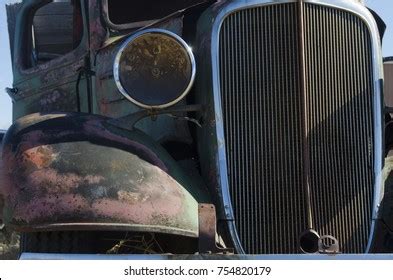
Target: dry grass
(9,245)
(137,244)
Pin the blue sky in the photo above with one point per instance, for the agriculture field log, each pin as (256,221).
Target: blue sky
(383,7)
(5,70)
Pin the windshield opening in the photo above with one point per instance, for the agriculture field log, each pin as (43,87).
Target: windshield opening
(122,12)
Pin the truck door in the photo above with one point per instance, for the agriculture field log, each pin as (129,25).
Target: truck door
(49,56)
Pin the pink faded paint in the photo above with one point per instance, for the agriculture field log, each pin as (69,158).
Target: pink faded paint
(49,206)
(51,181)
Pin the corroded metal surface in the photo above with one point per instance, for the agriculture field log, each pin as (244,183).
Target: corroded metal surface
(69,171)
(207,230)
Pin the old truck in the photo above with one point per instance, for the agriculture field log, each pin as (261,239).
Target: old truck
(192,126)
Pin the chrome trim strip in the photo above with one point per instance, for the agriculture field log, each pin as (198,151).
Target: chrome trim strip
(350,6)
(116,68)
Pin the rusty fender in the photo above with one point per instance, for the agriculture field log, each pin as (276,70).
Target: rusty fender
(73,172)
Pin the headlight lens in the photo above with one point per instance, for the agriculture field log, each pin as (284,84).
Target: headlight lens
(154,68)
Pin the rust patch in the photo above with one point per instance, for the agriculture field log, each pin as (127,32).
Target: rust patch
(41,156)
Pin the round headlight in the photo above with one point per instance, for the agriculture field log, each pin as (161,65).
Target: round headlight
(154,68)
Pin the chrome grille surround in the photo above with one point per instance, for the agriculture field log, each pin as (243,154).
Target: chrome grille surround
(362,13)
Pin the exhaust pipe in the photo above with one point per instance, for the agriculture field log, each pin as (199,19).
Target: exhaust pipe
(309,242)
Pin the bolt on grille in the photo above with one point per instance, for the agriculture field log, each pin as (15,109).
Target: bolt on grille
(261,103)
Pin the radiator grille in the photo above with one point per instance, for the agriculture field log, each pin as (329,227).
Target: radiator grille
(261,99)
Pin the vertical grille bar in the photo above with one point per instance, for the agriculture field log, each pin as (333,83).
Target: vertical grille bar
(261,98)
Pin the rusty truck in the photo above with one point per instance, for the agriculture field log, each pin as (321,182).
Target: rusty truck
(196,126)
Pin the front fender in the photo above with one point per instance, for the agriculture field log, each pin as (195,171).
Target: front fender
(73,171)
